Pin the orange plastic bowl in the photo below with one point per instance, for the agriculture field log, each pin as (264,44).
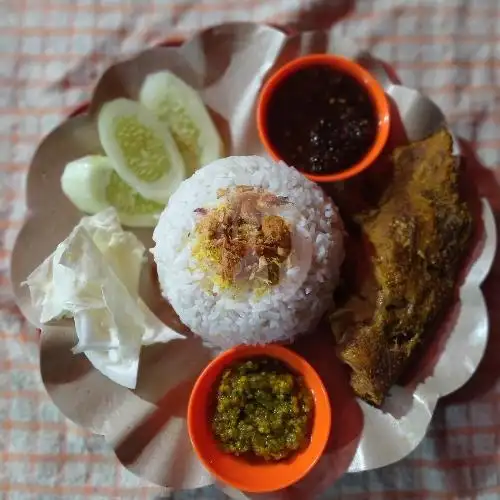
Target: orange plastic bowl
(235,471)
(349,67)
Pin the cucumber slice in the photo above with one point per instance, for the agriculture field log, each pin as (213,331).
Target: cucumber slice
(92,185)
(142,150)
(181,107)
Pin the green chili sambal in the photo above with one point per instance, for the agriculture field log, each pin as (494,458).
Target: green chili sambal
(262,409)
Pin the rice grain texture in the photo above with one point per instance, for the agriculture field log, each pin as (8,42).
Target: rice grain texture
(293,307)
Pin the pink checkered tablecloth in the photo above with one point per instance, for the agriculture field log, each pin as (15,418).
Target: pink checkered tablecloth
(51,53)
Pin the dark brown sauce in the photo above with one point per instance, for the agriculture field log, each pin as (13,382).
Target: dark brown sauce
(321,120)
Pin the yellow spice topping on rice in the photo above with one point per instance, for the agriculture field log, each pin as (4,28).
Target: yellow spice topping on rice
(237,239)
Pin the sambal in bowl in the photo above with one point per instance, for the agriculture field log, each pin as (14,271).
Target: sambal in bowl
(324,115)
(259,417)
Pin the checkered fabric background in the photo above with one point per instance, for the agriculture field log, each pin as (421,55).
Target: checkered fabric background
(51,53)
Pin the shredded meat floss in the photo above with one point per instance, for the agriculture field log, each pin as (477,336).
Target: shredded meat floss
(239,236)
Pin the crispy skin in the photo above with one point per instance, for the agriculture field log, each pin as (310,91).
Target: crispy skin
(418,236)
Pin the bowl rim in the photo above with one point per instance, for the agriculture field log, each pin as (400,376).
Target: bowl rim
(343,64)
(321,423)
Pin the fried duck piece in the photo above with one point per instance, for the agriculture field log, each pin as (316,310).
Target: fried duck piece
(418,237)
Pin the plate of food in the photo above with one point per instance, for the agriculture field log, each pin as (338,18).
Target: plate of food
(257,262)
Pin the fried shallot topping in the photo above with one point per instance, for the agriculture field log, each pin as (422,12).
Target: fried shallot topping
(240,238)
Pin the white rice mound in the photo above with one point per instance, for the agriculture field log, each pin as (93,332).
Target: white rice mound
(221,320)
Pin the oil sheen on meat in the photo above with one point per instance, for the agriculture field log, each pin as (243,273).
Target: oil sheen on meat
(418,237)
